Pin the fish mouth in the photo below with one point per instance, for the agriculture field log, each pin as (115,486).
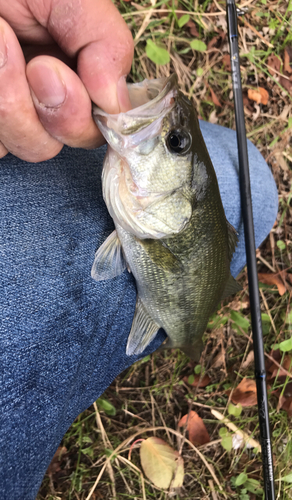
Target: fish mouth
(151,101)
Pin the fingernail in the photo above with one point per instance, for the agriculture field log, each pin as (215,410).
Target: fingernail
(3,49)
(46,85)
(123,95)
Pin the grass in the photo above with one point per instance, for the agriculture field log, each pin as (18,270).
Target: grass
(155,392)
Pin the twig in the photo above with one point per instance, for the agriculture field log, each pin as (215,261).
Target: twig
(246,438)
(145,22)
(168,11)
(268,311)
(214,494)
(107,444)
(257,33)
(264,261)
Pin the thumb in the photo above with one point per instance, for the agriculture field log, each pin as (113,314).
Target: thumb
(96,31)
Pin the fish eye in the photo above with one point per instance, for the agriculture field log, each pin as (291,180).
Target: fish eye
(178,141)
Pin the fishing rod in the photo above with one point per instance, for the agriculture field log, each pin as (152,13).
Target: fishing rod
(246,207)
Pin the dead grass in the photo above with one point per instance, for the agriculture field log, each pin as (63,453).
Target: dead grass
(155,393)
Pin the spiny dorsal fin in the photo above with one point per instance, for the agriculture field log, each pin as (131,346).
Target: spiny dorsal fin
(143,330)
(232,239)
(161,255)
(231,287)
(109,261)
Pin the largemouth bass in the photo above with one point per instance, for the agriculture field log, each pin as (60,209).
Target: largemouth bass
(161,190)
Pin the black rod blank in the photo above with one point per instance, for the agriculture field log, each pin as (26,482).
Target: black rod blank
(246,207)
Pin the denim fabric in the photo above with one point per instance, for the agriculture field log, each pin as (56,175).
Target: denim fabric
(62,335)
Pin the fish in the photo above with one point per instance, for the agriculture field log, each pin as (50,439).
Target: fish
(161,190)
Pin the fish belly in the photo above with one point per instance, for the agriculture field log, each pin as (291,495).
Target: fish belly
(180,302)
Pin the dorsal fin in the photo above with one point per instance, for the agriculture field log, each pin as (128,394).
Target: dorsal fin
(109,261)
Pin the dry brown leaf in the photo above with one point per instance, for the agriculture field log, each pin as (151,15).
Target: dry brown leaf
(213,42)
(248,361)
(193,29)
(226,62)
(287,365)
(219,360)
(285,400)
(270,365)
(56,460)
(196,428)
(205,380)
(215,98)
(274,64)
(285,404)
(287,60)
(286,83)
(272,279)
(245,393)
(259,95)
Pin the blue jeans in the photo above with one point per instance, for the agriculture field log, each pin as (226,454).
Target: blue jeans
(62,335)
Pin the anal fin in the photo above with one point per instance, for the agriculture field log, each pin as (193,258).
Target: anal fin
(192,350)
(109,261)
(143,330)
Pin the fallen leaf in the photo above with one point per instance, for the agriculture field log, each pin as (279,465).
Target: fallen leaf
(215,98)
(274,64)
(284,403)
(161,464)
(193,29)
(56,460)
(287,59)
(213,42)
(258,95)
(247,104)
(245,393)
(288,390)
(285,399)
(286,83)
(286,364)
(219,360)
(277,356)
(281,160)
(196,428)
(248,361)
(226,62)
(213,117)
(205,380)
(272,279)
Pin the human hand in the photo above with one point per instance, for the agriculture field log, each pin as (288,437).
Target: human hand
(44,103)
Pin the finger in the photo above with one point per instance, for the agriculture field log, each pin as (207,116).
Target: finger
(3,150)
(62,103)
(98,34)
(21,132)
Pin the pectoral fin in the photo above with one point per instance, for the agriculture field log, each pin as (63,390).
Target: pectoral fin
(109,261)
(231,288)
(161,255)
(143,330)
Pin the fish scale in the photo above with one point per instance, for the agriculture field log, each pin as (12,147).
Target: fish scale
(171,232)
